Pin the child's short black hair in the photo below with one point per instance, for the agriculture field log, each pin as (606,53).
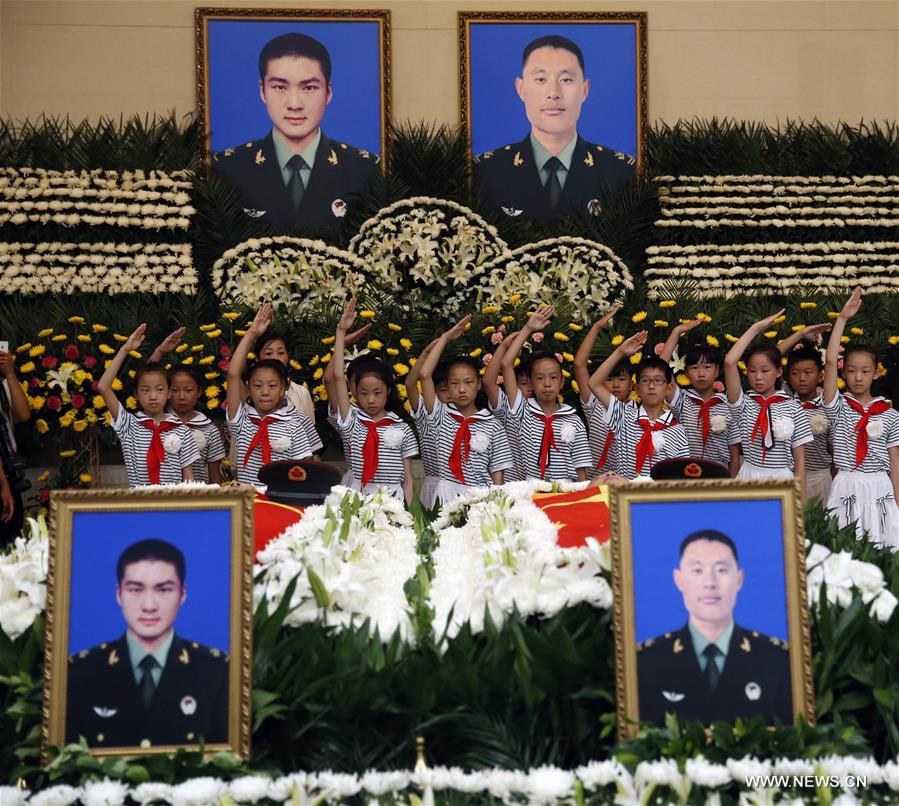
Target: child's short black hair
(523,370)
(804,351)
(357,365)
(623,367)
(654,362)
(149,368)
(384,372)
(152,549)
(465,361)
(702,350)
(266,363)
(709,534)
(190,370)
(268,337)
(441,372)
(543,355)
(866,349)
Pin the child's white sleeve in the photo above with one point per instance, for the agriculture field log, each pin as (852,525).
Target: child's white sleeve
(188,452)
(500,450)
(615,414)
(123,422)
(580,448)
(215,448)
(409,445)
(312,437)
(802,430)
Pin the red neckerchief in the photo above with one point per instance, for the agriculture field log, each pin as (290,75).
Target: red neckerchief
(461,443)
(156,453)
(549,438)
(704,419)
(861,427)
(260,439)
(371,448)
(610,437)
(763,424)
(645,448)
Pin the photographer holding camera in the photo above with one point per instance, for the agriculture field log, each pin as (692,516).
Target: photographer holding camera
(14,408)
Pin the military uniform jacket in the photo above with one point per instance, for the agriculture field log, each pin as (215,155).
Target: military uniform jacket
(755,680)
(509,179)
(104,701)
(339,173)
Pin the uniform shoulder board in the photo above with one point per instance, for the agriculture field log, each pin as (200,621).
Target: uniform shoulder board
(620,156)
(631,160)
(600,148)
(476,159)
(778,643)
(646,644)
(485,156)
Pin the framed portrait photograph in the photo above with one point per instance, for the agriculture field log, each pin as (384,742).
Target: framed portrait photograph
(555,108)
(295,105)
(711,620)
(149,620)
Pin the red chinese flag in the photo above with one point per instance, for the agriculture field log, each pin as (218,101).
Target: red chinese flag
(270,519)
(578,515)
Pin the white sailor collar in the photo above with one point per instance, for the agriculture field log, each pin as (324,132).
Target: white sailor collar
(691,393)
(170,417)
(666,418)
(480,414)
(564,409)
(873,400)
(388,415)
(283,412)
(200,420)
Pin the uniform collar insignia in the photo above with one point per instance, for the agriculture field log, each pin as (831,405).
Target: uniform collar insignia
(517,160)
(745,645)
(588,160)
(678,646)
(332,158)
(184,657)
(113,657)
(260,157)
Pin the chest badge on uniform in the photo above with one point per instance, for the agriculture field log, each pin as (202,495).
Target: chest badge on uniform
(673,696)
(338,207)
(594,207)
(753,691)
(188,705)
(512,211)
(105,712)
(253,213)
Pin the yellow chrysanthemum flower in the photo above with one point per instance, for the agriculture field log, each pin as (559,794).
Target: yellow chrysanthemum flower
(566,373)
(682,379)
(66,420)
(560,336)
(667,303)
(37,402)
(844,339)
(135,354)
(487,330)
(210,375)
(894,340)
(394,327)
(807,306)
(28,366)
(130,402)
(730,338)
(856,331)
(660,323)
(406,344)
(401,369)
(575,388)
(638,317)
(45,332)
(213,403)
(318,374)
(67,454)
(240,332)
(797,328)
(770,334)
(374,344)
(207,328)
(328,340)
(197,348)
(99,328)
(43,477)
(841,384)
(568,356)
(515,299)
(37,350)
(294,364)
(76,320)
(712,341)
(476,352)
(637,357)
(741,365)
(59,337)
(392,351)
(42,427)
(188,361)
(206,360)
(119,337)
(506,319)
(80,425)
(490,309)
(575,327)
(212,391)
(366,314)
(230,316)
(97,402)
(116,384)
(214,334)
(85,478)
(106,349)
(833,315)
(616,340)
(314,361)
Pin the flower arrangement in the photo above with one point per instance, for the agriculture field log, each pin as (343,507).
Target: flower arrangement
(577,275)
(113,268)
(349,560)
(23,579)
(728,269)
(297,275)
(497,552)
(432,252)
(132,199)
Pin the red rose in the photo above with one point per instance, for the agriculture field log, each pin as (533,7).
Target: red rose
(50,361)
(72,352)
(95,386)
(35,383)
(77,401)
(225,351)
(90,362)
(54,403)
(44,495)
(224,364)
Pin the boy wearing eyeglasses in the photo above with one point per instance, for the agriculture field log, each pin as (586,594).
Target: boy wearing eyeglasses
(647,434)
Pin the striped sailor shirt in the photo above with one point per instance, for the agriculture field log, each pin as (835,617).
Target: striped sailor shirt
(179,447)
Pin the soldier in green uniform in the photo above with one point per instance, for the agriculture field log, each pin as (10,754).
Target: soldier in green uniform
(713,669)
(553,171)
(296,176)
(149,687)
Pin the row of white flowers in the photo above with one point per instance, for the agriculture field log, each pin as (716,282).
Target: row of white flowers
(717,180)
(777,198)
(107,267)
(498,553)
(98,177)
(298,274)
(778,223)
(844,779)
(89,219)
(836,250)
(778,208)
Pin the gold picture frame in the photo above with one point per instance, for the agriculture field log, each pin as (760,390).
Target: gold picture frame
(229,508)
(203,15)
(626,584)
(637,18)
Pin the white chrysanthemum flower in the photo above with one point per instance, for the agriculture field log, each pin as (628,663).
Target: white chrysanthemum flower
(104,793)
(61,795)
(567,433)
(199,792)
(549,784)
(599,774)
(171,443)
(819,424)
(383,783)
(875,428)
(883,606)
(199,438)
(338,784)
(393,436)
(658,440)
(717,423)
(249,788)
(480,442)
(783,428)
(152,792)
(280,444)
(13,796)
(704,773)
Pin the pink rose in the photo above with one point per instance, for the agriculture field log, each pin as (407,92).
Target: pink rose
(537,337)
(840,364)
(487,358)
(717,386)
(497,338)
(658,348)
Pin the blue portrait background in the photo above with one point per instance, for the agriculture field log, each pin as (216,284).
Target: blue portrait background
(98,538)
(608,116)
(236,113)
(756,527)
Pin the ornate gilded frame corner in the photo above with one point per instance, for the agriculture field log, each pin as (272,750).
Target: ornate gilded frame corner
(800,644)
(203,15)
(637,18)
(63,506)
